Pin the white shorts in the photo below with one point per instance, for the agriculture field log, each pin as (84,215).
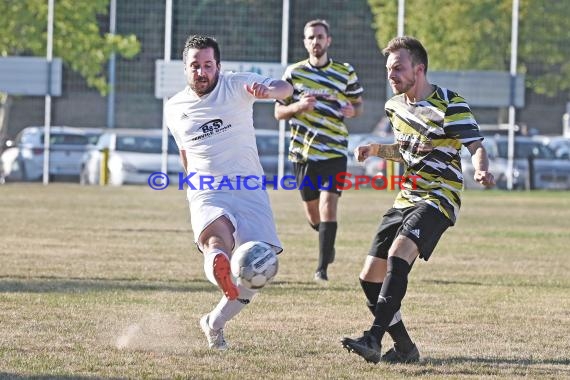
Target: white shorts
(248,210)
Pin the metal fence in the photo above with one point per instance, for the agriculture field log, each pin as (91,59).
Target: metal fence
(247,30)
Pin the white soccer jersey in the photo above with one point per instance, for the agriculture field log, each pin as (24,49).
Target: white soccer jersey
(216,130)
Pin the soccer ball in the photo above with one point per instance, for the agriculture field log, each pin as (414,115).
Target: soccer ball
(254,264)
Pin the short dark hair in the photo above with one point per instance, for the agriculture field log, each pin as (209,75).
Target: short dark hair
(201,42)
(412,45)
(318,22)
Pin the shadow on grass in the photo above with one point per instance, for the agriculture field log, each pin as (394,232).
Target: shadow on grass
(135,230)
(309,286)
(499,361)
(463,365)
(8,375)
(555,285)
(48,284)
(450,282)
(52,284)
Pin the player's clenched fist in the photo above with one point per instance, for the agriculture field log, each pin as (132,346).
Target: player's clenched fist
(258,90)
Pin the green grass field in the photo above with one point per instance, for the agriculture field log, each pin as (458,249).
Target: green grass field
(106,283)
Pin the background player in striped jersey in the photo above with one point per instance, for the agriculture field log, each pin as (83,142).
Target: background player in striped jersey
(325,93)
(430,125)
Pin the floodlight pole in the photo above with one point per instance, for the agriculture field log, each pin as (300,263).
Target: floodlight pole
(167,53)
(401,16)
(284,54)
(511,135)
(112,65)
(47,111)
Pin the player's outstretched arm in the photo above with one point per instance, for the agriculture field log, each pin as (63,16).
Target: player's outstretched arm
(277,89)
(480,162)
(386,151)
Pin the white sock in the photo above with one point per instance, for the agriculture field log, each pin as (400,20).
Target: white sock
(209,264)
(397,318)
(226,309)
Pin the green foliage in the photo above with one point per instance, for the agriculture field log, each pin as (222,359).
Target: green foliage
(77,38)
(476,35)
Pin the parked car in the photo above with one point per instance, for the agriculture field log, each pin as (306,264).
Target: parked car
(93,134)
(560,145)
(133,155)
(67,145)
(267,141)
(549,171)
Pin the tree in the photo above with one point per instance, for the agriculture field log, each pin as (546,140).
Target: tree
(77,40)
(476,35)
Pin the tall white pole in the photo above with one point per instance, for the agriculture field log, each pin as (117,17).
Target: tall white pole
(284,54)
(112,64)
(167,53)
(400,20)
(513,71)
(401,16)
(47,112)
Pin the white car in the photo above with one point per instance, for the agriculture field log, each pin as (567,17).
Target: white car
(67,146)
(133,155)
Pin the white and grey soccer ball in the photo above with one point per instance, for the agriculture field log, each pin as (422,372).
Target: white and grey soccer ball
(254,264)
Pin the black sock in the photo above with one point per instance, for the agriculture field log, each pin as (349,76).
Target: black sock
(397,331)
(391,295)
(314,226)
(371,291)
(327,236)
(400,336)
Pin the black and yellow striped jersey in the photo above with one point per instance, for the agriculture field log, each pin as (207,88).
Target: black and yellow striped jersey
(430,134)
(321,134)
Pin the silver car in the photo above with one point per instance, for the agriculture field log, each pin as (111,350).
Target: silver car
(560,145)
(547,171)
(67,146)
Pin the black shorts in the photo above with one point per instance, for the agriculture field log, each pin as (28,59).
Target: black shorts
(424,224)
(315,176)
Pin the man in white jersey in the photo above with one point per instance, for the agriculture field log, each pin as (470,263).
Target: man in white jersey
(212,123)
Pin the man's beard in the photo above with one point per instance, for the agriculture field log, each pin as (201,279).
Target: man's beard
(318,53)
(405,88)
(199,88)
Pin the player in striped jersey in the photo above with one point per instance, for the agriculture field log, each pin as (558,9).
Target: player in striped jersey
(325,93)
(430,125)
